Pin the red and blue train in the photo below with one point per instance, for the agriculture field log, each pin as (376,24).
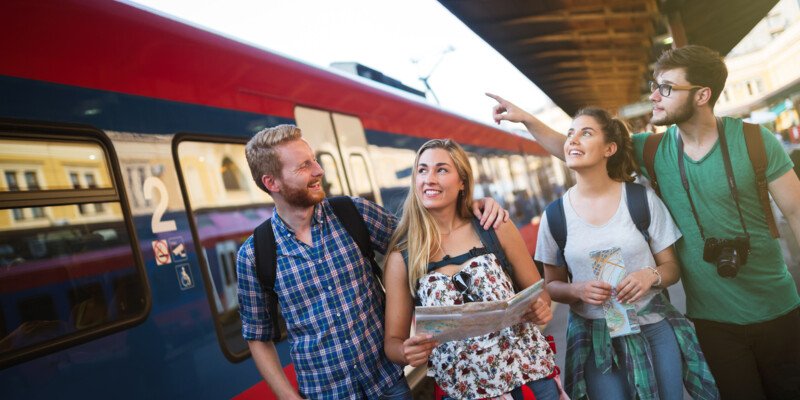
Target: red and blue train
(124,192)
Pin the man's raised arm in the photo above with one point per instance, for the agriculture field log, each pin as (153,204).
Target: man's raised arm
(551,140)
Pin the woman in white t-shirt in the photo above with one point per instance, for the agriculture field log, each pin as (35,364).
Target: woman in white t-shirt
(604,247)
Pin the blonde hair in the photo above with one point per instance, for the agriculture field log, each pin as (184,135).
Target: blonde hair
(417,232)
(262,157)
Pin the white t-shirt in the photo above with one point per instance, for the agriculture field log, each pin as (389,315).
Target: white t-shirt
(620,231)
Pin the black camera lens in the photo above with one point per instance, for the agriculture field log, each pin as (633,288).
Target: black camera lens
(728,262)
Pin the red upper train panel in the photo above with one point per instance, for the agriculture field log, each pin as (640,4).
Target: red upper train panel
(106,45)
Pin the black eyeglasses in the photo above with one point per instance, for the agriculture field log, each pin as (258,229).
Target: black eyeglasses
(665,89)
(462,281)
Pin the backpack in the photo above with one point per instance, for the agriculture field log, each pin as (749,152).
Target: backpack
(267,262)
(636,197)
(758,158)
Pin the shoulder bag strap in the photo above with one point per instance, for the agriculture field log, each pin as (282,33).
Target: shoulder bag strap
(649,157)
(266,266)
(758,157)
(636,197)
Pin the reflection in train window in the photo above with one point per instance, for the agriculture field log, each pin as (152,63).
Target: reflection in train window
(331,182)
(31,183)
(224,217)
(360,182)
(231,176)
(46,165)
(60,263)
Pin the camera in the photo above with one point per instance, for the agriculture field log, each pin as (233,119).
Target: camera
(727,254)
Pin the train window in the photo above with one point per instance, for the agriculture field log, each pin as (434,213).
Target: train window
(225,208)
(331,182)
(64,243)
(360,183)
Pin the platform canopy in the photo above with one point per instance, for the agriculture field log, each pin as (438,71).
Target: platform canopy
(600,52)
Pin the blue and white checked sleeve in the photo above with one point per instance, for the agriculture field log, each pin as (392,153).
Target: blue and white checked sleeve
(380,223)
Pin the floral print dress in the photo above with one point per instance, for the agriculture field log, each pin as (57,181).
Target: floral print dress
(490,365)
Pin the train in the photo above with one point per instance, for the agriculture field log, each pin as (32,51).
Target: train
(125,192)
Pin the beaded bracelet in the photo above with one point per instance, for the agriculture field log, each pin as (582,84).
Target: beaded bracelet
(658,274)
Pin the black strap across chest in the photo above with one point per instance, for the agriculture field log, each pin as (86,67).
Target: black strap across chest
(266,263)
(726,158)
(457,260)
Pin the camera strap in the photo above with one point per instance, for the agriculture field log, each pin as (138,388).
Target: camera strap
(726,158)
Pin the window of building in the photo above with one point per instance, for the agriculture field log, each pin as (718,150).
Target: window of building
(30,182)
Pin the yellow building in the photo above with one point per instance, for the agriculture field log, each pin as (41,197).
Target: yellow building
(29,166)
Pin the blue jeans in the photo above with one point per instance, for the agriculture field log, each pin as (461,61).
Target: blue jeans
(398,391)
(667,366)
(543,389)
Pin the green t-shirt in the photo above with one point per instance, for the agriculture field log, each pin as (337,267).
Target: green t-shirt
(763,289)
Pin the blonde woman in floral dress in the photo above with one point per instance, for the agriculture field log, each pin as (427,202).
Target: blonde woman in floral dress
(437,260)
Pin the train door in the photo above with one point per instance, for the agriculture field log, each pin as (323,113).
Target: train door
(341,146)
(225,205)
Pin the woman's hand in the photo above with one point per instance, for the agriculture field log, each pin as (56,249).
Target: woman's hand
(635,285)
(418,348)
(593,292)
(539,312)
(506,110)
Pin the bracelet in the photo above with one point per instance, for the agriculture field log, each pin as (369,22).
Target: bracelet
(658,274)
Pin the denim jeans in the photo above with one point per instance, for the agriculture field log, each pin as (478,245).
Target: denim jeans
(398,391)
(667,366)
(543,389)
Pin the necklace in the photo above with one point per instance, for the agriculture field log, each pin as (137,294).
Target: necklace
(454,229)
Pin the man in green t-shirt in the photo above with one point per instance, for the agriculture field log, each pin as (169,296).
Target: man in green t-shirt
(749,324)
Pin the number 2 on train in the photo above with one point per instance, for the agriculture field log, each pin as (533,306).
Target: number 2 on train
(156,224)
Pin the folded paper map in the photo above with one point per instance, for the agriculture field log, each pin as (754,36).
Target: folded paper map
(459,322)
(609,267)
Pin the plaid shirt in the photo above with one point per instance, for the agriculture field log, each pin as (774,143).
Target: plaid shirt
(584,335)
(333,306)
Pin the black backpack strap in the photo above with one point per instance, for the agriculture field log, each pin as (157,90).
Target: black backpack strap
(557,222)
(404,254)
(492,244)
(354,224)
(758,157)
(266,266)
(649,158)
(636,197)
